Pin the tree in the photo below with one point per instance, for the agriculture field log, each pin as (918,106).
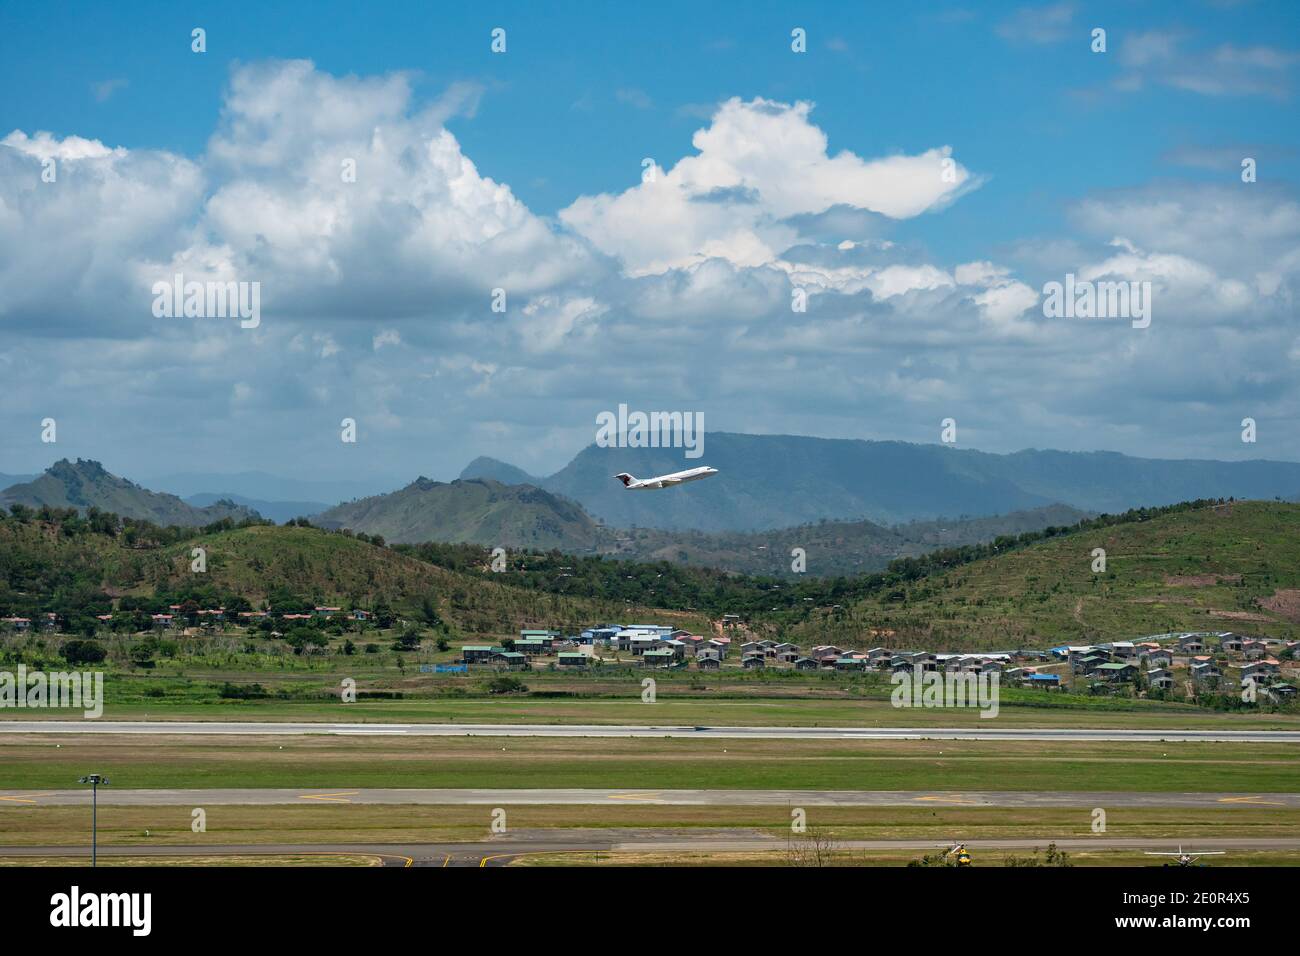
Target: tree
(305,639)
(83,652)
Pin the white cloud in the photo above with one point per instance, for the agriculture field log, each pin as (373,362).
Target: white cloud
(756,165)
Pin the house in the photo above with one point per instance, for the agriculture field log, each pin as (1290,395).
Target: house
(1115,671)
(1205,671)
(357,614)
(660,657)
(1191,643)
(755,662)
(571,659)
(707,663)
(478,653)
(49,621)
(805,664)
(161,620)
(750,647)
(531,647)
(1086,665)
(850,664)
(719,644)
(1123,649)
(254,615)
(1231,643)
(514,660)
(1280,692)
(1254,649)
(546,638)
(877,655)
(788,657)
(17,623)
(320,611)
(1259,670)
(708,654)
(1044,680)
(1157,658)
(1160,678)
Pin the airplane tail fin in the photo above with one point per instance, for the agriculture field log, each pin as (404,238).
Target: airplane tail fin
(624,477)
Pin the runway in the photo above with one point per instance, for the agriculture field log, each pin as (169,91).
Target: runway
(113,797)
(247,728)
(504,849)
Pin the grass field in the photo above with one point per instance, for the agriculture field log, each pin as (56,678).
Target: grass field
(755,710)
(884,858)
(39,762)
(398,824)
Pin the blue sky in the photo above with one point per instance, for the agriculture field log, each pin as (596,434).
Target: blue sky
(1064,149)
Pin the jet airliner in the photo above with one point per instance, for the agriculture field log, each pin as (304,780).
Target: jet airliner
(633,483)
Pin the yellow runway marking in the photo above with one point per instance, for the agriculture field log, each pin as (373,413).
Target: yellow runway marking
(949,799)
(652,795)
(22,797)
(1253,801)
(340,797)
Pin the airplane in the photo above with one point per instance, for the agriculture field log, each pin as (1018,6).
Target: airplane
(1188,858)
(633,483)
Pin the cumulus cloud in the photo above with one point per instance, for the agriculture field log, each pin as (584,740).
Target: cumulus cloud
(672,293)
(757,166)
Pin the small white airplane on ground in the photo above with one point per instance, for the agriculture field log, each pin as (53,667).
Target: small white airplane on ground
(1188,858)
(665,481)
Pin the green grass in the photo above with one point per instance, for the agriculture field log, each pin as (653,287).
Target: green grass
(1047,594)
(645,764)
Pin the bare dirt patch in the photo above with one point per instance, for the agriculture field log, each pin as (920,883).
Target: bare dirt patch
(1284,603)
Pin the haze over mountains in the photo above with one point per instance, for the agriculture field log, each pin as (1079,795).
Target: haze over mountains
(85,484)
(775,481)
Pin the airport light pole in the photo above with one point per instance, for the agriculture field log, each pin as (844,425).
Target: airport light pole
(94,780)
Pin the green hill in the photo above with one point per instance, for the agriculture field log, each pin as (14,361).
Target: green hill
(81,572)
(477,510)
(1231,567)
(830,548)
(85,484)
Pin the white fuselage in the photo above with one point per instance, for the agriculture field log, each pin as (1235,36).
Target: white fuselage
(665,481)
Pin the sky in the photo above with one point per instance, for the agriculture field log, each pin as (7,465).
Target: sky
(647,191)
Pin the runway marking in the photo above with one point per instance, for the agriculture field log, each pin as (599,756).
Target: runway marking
(650,797)
(446,860)
(22,797)
(1253,801)
(949,799)
(340,797)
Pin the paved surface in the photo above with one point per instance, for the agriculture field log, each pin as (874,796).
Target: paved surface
(500,851)
(114,797)
(161,727)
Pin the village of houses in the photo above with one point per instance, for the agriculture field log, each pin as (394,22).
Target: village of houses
(1190,662)
(1201,661)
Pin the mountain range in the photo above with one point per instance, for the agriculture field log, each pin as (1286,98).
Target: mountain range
(85,484)
(775,481)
